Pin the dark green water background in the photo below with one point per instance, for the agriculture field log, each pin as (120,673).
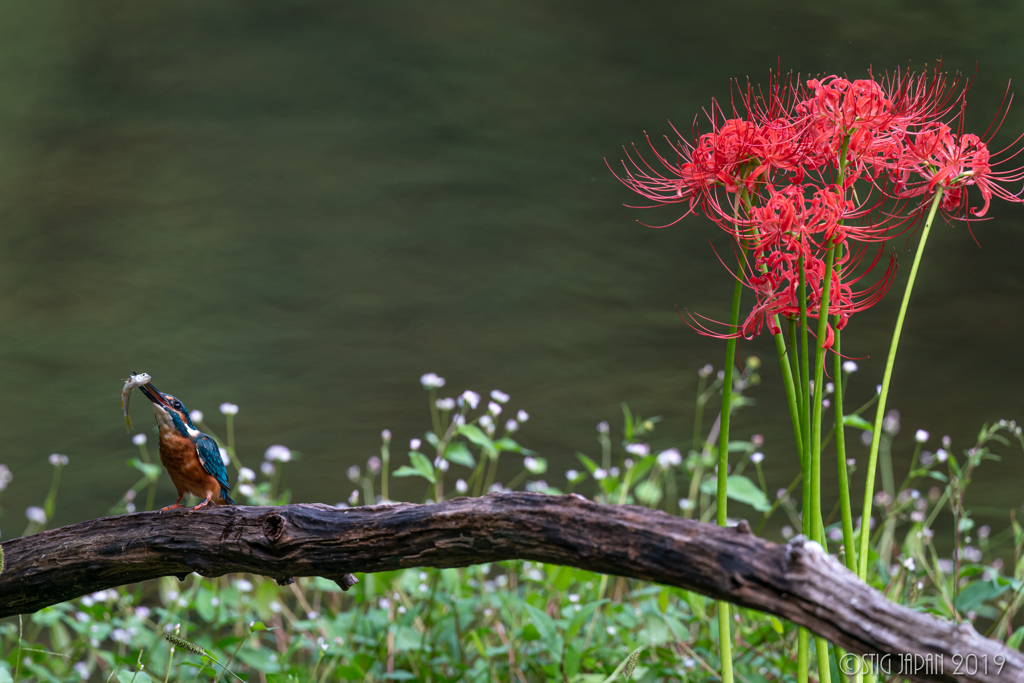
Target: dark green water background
(301,207)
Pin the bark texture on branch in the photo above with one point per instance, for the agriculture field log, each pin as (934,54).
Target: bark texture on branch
(799,581)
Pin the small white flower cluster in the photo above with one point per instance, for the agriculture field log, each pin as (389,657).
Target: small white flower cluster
(5,477)
(99,596)
(228,409)
(278,453)
(139,439)
(197,415)
(431,381)
(670,458)
(640,449)
(58,459)
(35,514)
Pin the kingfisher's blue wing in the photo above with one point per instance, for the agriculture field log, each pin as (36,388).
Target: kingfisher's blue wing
(209,456)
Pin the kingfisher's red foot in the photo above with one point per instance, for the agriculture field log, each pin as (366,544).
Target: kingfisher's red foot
(175,504)
(204,503)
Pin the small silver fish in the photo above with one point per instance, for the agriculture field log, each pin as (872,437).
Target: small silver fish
(132,382)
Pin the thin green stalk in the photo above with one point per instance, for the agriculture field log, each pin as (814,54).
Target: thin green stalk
(796,363)
(724,632)
(845,508)
(819,393)
(792,398)
(805,403)
(869,487)
(385,464)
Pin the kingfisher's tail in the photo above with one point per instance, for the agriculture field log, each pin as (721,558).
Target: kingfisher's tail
(226,495)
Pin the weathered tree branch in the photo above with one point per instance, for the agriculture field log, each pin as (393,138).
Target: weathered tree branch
(798,582)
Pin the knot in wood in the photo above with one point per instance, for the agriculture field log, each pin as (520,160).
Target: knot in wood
(273,527)
(743,526)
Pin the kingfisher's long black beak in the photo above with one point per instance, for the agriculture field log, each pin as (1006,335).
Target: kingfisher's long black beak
(156,396)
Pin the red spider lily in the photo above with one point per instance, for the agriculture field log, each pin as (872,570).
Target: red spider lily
(828,164)
(938,157)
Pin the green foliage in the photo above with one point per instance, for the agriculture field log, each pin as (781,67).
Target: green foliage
(522,620)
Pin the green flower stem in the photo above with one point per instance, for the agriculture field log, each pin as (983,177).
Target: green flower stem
(805,403)
(846,511)
(796,364)
(869,487)
(792,398)
(802,656)
(818,533)
(385,464)
(724,632)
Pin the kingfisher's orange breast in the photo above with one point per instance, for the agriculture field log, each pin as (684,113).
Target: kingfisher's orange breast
(179,457)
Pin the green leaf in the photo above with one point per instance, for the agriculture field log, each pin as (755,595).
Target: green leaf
(776,624)
(5,675)
(540,466)
(545,624)
(740,489)
(1012,642)
(507,444)
(351,672)
(459,454)
(587,462)
(423,465)
(476,435)
(858,422)
(648,492)
(149,470)
(127,676)
(407,638)
(978,592)
(663,600)
(582,616)
(406,471)
(642,466)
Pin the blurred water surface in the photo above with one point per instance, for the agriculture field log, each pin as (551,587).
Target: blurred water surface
(302,207)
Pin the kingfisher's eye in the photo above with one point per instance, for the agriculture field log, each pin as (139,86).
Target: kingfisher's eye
(177,405)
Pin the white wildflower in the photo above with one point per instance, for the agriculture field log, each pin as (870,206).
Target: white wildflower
(279,453)
(431,381)
(58,459)
(36,514)
(522,415)
(196,415)
(139,439)
(670,458)
(499,396)
(638,449)
(470,398)
(228,409)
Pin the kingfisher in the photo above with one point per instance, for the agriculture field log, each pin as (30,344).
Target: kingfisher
(191,457)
